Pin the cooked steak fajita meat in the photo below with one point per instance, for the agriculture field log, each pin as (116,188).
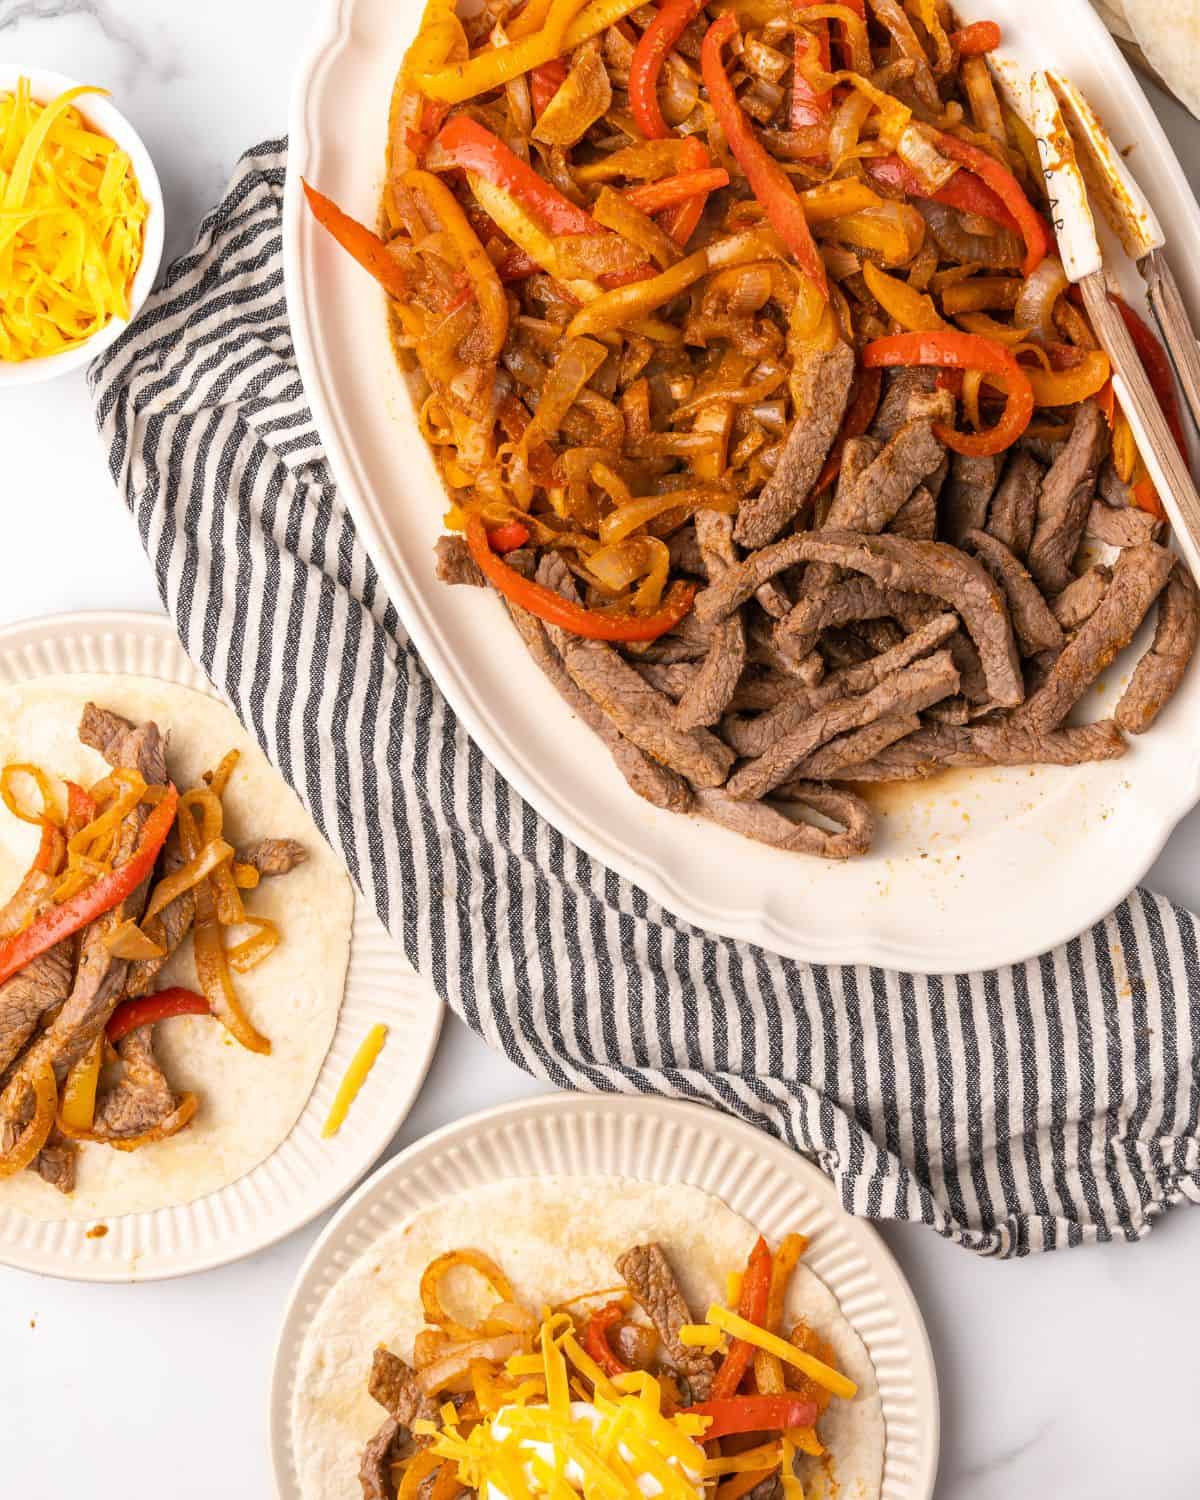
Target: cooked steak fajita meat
(273,856)
(822,387)
(648,1275)
(937,746)
(1127,527)
(968,491)
(830,761)
(635,709)
(1139,576)
(1012,515)
(395,1387)
(766,825)
(1033,622)
(142,1098)
(31,997)
(646,776)
(707,695)
(892,562)
(874,496)
(906,692)
(905,391)
(1065,499)
(1081,597)
(917,517)
(1158,675)
(454,564)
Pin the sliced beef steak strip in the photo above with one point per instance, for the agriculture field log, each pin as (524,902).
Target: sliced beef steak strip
(823,390)
(1066,497)
(906,692)
(648,1275)
(56,1163)
(937,746)
(829,762)
(871,500)
(906,392)
(395,1388)
(389,1444)
(656,783)
(707,695)
(685,552)
(30,996)
(453,562)
(1012,515)
(917,517)
(1034,624)
(672,678)
(635,709)
(1160,671)
(1081,598)
(963,505)
(766,825)
(753,736)
(100,729)
(142,1098)
(1139,576)
(851,599)
(1127,527)
(894,562)
(273,856)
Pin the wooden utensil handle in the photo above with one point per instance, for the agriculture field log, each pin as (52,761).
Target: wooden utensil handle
(1157,444)
(1167,304)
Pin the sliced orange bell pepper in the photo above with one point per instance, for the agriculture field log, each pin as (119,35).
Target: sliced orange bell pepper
(357,240)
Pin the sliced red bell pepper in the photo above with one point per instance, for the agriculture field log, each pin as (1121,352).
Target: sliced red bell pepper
(768,181)
(1033,227)
(1157,366)
(651,52)
(60,921)
(362,243)
(595,1338)
(864,401)
(507,537)
(667,192)
(81,807)
(752,1305)
(147,1009)
(963,191)
(978,37)
(467,144)
(550,606)
(682,221)
(739,1414)
(545,81)
(963,351)
(51,851)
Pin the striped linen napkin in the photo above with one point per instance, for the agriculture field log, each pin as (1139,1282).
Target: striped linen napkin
(1049,1104)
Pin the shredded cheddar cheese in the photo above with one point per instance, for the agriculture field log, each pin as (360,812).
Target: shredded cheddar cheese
(541,1443)
(72,221)
(831,1380)
(356,1075)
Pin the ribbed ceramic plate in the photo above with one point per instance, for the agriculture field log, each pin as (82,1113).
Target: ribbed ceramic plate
(305,1174)
(651,1140)
(984,869)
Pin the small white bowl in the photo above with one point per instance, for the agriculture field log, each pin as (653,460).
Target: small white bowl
(104,117)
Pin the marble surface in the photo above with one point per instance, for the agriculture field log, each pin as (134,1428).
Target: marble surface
(1071,1375)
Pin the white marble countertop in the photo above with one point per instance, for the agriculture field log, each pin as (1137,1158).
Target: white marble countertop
(1070,1375)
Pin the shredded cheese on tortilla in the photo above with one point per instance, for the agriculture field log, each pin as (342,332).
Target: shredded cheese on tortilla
(740,1328)
(356,1075)
(72,221)
(538,1442)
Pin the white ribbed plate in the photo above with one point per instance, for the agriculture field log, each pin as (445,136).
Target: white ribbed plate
(652,1140)
(306,1174)
(972,871)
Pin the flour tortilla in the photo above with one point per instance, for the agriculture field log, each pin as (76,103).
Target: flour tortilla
(1168,32)
(248,1103)
(554,1237)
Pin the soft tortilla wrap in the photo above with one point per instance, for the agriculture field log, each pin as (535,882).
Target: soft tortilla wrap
(248,1103)
(554,1238)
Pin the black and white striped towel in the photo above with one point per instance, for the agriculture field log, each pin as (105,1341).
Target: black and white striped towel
(1040,1106)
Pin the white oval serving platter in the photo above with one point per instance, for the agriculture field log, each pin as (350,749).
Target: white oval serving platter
(977,870)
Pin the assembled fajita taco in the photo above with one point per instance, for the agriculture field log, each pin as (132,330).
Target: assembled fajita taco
(174,936)
(564,1336)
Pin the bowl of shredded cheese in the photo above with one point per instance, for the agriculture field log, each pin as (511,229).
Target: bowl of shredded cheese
(81,224)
